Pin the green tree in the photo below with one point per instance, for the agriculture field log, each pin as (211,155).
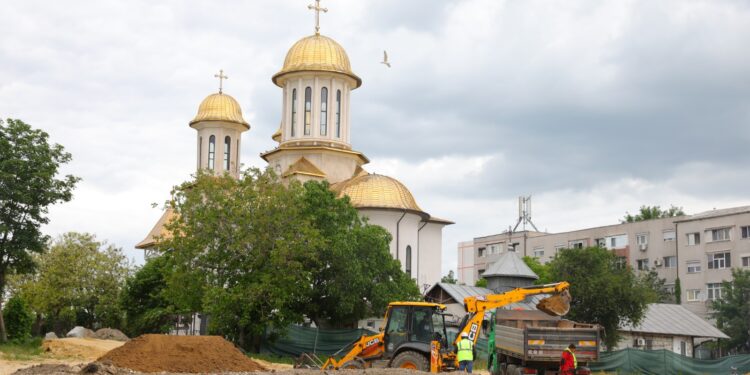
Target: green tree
(541,270)
(29,184)
(146,308)
(354,275)
(450,278)
(77,275)
(732,310)
(603,292)
(18,318)
(677,291)
(482,282)
(652,212)
(656,287)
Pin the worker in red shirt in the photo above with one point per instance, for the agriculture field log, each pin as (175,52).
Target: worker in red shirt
(568,362)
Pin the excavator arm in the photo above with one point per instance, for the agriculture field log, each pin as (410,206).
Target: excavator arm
(366,346)
(558,304)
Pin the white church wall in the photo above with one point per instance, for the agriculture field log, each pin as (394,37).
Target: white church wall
(430,253)
(407,232)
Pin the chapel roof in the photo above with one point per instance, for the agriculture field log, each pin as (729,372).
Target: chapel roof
(317,53)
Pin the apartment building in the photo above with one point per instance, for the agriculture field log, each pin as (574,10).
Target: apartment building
(699,248)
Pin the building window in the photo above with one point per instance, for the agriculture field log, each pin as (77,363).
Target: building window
(693,239)
(693,266)
(669,235)
(576,244)
(641,239)
(601,242)
(294,111)
(480,273)
(538,252)
(746,261)
(642,264)
(558,248)
(496,249)
(670,262)
(200,151)
(227,149)
(621,262)
(408,260)
(693,295)
(481,252)
(613,242)
(238,156)
(211,152)
(721,234)
(308,110)
(714,291)
(324,111)
(745,232)
(338,113)
(717,261)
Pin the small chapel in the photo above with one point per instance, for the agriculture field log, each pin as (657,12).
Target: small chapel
(314,143)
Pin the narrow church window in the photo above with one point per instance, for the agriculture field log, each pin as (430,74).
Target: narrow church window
(200,151)
(408,260)
(338,113)
(238,156)
(294,110)
(324,111)
(308,110)
(211,151)
(227,149)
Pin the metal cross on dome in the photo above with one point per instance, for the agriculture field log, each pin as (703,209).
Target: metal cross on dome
(221,78)
(317,8)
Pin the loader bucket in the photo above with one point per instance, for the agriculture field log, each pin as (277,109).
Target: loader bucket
(558,304)
(308,361)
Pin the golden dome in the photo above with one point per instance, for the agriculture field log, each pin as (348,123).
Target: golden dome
(317,53)
(377,191)
(220,107)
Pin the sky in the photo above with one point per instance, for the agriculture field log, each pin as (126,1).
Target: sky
(592,107)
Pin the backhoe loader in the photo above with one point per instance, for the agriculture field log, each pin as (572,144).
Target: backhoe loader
(415,337)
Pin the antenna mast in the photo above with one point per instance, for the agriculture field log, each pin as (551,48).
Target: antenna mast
(524,214)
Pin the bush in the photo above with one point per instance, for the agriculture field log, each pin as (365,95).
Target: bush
(18,319)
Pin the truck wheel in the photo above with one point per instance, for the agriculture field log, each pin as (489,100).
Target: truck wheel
(512,370)
(498,370)
(411,360)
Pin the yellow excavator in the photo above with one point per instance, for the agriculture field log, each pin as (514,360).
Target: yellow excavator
(415,336)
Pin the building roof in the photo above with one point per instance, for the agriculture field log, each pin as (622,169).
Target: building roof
(716,213)
(316,53)
(458,292)
(377,191)
(158,231)
(671,319)
(304,167)
(510,264)
(220,107)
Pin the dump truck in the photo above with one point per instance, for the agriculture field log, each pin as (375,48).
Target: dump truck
(531,342)
(415,335)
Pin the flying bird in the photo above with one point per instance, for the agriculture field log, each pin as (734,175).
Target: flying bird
(385,59)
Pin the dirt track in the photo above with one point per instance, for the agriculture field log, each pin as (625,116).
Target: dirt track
(103,368)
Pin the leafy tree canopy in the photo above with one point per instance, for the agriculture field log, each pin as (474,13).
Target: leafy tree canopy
(732,311)
(18,318)
(29,184)
(146,308)
(482,282)
(450,278)
(77,272)
(652,212)
(541,270)
(656,287)
(603,292)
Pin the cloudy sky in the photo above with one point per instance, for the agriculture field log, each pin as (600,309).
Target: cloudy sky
(592,107)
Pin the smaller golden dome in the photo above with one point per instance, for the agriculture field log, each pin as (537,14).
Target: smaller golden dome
(317,53)
(220,107)
(377,191)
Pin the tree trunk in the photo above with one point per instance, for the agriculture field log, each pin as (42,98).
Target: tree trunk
(3,334)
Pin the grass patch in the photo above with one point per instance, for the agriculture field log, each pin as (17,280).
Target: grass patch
(21,350)
(273,358)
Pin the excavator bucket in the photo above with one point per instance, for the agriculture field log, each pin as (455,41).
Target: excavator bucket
(308,361)
(558,304)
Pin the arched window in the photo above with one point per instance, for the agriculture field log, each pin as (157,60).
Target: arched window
(308,110)
(338,113)
(227,147)
(211,152)
(294,110)
(200,151)
(408,260)
(237,167)
(324,111)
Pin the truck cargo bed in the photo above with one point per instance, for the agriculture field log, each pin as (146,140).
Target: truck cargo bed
(545,344)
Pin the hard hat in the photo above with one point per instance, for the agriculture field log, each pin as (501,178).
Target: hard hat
(464,334)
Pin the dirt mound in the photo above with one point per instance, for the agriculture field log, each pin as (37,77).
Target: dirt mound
(73,347)
(557,305)
(189,354)
(111,334)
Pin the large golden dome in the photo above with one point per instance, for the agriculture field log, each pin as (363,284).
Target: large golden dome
(377,191)
(220,107)
(317,53)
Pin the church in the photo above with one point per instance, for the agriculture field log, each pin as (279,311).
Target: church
(314,143)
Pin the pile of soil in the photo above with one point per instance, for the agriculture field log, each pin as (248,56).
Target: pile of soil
(73,347)
(557,305)
(188,354)
(111,334)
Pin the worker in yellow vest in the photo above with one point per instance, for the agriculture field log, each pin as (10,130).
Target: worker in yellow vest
(465,354)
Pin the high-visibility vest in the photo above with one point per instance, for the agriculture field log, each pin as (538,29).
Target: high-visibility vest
(575,361)
(465,350)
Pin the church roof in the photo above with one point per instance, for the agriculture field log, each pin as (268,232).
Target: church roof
(377,191)
(277,136)
(157,231)
(510,264)
(304,167)
(317,53)
(220,107)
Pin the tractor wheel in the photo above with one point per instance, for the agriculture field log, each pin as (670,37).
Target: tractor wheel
(354,364)
(411,360)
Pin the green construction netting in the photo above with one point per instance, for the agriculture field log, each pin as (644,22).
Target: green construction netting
(634,361)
